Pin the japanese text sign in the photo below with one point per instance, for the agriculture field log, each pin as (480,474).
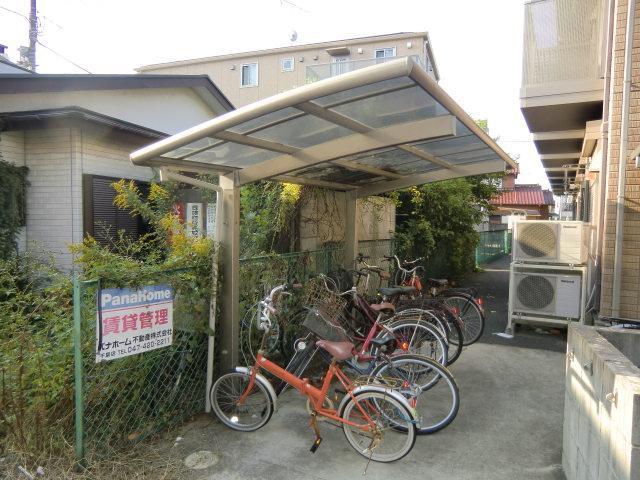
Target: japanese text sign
(133,321)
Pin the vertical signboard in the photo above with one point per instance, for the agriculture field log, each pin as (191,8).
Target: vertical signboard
(211,220)
(194,220)
(131,321)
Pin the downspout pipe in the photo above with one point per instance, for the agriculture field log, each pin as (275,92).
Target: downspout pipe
(604,169)
(622,162)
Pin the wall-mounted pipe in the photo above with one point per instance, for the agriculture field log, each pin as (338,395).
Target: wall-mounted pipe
(604,166)
(622,161)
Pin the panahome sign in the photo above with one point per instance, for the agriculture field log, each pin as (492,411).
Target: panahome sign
(131,321)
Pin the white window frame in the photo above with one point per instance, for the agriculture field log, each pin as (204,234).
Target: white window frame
(375,51)
(288,59)
(242,85)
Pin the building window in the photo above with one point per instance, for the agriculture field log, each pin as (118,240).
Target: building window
(288,64)
(102,219)
(249,75)
(385,52)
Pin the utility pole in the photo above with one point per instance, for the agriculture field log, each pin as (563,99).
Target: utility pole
(33,35)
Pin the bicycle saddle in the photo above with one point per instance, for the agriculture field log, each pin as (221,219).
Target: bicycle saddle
(437,282)
(338,350)
(383,307)
(389,292)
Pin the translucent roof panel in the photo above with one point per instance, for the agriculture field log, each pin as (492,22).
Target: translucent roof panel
(265,120)
(395,160)
(336,173)
(365,91)
(392,108)
(303,132)
(380,128)
(229,154)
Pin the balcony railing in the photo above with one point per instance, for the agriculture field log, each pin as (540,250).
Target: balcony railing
(563,41)
(326,70)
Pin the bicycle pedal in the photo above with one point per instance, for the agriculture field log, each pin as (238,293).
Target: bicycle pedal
(315,445)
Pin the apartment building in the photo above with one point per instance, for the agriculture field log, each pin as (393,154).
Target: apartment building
(250,76)
(579,101)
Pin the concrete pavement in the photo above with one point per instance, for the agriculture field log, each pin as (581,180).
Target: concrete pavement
(509,425)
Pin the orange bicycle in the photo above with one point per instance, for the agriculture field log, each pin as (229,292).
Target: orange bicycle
(377,421)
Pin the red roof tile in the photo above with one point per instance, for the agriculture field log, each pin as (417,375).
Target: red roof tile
(524,195)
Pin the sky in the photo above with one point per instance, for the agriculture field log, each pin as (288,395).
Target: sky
(477,44)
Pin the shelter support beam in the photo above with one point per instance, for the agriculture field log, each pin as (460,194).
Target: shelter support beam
(351,229)
(228,234)
(479,168)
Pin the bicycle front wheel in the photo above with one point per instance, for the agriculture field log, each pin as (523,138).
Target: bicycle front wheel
(470,314)
(393,434)
(253,413)
(428,386)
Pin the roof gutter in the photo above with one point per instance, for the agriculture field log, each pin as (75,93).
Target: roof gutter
(622,161)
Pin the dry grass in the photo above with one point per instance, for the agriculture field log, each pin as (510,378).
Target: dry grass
(150,460)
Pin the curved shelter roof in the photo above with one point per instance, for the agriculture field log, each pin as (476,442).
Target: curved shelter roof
(377,129)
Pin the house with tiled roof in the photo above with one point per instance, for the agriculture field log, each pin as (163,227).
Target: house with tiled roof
(523,200)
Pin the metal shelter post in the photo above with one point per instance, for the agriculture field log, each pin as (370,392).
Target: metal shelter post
(351,229)
(228,234)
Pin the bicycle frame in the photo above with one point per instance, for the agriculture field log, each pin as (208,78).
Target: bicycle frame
(316,395)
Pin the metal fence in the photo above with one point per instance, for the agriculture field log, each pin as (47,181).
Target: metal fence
(122,401)
(492,245)
(261,273)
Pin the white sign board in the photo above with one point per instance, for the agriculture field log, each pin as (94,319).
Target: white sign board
(194,220)
(211,220)
(131,321)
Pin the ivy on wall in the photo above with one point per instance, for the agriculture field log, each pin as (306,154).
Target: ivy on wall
(13,188)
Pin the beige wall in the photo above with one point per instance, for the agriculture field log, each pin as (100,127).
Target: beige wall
(57,159)
(271,78)
(322,219)
(630,292)
(168,110)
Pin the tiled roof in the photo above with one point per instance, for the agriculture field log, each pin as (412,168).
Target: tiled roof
(524,195)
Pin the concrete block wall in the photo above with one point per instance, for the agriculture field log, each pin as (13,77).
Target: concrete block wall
(601,430)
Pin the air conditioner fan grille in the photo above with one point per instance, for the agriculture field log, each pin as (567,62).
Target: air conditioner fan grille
(537,240)
(535,292)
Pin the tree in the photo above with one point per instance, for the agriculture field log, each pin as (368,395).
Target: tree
(437,221)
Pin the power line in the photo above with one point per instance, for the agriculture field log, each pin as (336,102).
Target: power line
(63,57)
(291,4)
(13,11)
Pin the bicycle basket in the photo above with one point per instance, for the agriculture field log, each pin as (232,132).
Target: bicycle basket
(318,295)
(325,328)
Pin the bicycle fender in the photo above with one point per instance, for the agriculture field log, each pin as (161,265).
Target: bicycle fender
(387,391)
(264,382)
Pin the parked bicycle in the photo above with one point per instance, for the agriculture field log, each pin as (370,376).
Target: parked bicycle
(463,302)
(381,355)
(378,422)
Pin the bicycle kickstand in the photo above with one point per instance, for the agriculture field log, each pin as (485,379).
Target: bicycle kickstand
(314,424)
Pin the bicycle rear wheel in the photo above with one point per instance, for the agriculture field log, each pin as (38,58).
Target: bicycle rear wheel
(389,442)
(429,387)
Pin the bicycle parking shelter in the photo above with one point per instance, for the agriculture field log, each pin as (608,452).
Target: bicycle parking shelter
(374,130)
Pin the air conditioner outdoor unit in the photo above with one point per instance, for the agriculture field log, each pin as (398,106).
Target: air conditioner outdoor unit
(548,241)
(546,293)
